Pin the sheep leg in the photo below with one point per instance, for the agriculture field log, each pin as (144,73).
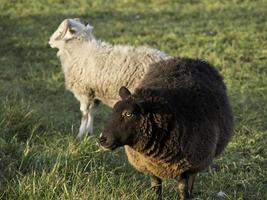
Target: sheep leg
(90,122)
(183,186)
(191,181)
(91,116)
(157,186)
(85,111)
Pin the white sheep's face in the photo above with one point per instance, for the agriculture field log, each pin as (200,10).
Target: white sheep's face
(68,30)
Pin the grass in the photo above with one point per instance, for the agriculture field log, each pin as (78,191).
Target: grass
(39,155)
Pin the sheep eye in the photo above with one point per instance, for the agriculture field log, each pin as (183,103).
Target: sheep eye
(72,31)
(127,114)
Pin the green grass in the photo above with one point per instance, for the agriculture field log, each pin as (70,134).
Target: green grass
(39,155)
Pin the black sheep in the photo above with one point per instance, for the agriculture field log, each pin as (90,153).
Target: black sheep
(174,124)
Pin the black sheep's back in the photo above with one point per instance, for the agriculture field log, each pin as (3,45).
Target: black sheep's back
(196,94)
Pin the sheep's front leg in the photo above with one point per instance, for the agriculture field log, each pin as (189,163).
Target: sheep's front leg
(191,180)
(183,188)
(88,112)
(185,185)
(84,107)
(156,184)
(91,115)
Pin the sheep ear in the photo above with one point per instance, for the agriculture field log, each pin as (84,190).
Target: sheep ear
(84,22)
(124,92)
(89,26)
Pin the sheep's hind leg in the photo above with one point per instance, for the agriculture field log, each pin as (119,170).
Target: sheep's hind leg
(91,116)
(156,184)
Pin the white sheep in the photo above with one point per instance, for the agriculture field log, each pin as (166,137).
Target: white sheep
(94,69)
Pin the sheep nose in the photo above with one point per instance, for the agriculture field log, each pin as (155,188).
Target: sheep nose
(102,139)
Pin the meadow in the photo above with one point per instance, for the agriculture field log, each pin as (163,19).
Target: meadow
(40,157)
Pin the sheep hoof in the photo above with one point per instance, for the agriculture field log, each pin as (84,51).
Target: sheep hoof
(81,135)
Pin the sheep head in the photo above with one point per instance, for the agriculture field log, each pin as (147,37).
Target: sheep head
(131,122)
(121,127)
(68,30)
